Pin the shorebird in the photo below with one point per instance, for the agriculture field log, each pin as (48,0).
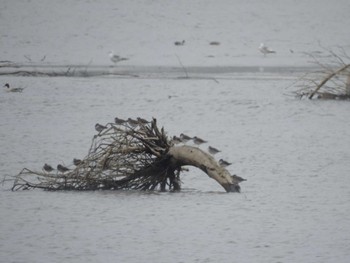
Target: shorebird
(177,140)
(119,121)
(132,122)
(238,178)
(99,127)
(213,150)
(179,43)
(185,138)
(76,162)
(265,50)
(48,168)
(115,58)
(198,141)
(142,121)
(9,89)
(224,163)
(62,168)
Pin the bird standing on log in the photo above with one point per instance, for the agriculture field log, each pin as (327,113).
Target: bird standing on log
(76,162)
(62,168)
(213,150)
(224,163)
(198,140)
(119,121)
(185,138)
(48,168)
(99,127)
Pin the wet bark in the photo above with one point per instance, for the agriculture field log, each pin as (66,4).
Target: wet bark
(187,155)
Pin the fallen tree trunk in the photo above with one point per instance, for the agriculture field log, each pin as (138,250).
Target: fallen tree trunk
(187,155)
(128,155)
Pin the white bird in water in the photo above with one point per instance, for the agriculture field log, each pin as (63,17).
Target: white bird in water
(265,50)
(10,89)
(115,58)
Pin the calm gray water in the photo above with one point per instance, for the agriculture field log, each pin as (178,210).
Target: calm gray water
(294,154)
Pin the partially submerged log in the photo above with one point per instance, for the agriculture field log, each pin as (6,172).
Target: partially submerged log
(187,155)
(132,154)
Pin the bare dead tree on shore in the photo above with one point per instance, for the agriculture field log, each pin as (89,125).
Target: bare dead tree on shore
(332,81)
(129,155)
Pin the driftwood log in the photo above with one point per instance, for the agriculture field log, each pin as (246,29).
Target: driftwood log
(187,155)
(131,154)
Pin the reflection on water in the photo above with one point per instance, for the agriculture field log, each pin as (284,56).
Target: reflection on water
(294,154)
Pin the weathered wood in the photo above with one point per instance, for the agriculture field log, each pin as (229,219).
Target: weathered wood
(188,155)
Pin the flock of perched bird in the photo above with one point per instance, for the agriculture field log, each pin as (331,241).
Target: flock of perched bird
(176,140)
(99,128)
(183,138)
(131,122)
(60,168)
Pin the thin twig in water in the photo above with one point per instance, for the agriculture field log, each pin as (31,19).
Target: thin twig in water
(183,67)
(28,58)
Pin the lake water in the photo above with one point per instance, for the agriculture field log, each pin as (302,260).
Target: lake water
(294,206)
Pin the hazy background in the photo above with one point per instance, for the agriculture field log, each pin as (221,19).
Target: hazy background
(84,31)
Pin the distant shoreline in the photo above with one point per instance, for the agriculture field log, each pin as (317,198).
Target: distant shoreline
(136,71)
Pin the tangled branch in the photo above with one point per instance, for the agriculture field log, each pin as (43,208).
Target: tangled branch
(331,82)
(131,154)
(120,157)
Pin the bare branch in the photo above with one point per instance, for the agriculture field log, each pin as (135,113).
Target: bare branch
(332,82)
(122,156)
